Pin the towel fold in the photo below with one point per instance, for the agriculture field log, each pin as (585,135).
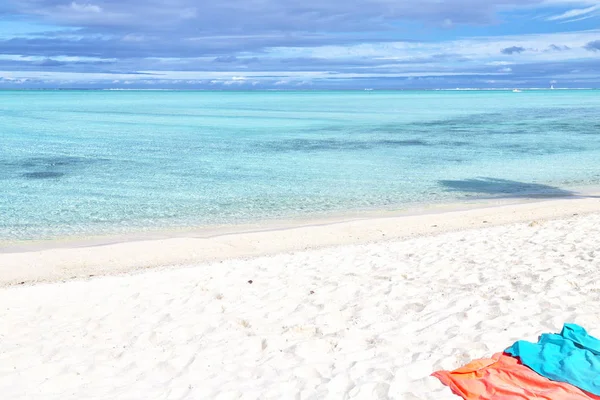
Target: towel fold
(504,377)
(573,357)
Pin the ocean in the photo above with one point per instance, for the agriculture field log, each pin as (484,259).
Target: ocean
(84,163)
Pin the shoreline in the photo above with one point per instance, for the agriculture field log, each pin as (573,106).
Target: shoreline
(291,222)
(75,259)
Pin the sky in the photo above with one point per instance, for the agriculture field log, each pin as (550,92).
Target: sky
(299,44)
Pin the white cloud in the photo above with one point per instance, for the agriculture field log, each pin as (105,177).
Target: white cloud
(85,8)
(448,23)
(576,14)
(475,50)
(189,13)
(580,3)
(499,63)
(223,78)
(132,37)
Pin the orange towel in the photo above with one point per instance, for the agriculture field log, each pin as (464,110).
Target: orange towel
(504,378)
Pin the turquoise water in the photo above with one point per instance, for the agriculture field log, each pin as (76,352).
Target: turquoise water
(76,163)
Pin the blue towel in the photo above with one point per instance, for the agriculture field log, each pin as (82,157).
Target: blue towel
(573,357)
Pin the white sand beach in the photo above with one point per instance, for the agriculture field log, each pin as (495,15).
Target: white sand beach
(365,309)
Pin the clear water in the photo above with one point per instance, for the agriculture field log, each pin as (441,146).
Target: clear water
(75,163)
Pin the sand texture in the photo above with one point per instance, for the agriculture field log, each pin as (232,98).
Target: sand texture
(358,321)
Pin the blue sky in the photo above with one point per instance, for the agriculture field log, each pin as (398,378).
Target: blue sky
(299,44)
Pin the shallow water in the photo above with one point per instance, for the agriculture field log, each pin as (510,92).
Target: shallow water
(76,163)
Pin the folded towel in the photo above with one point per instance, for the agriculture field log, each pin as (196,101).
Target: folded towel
(573,356)
(504,377)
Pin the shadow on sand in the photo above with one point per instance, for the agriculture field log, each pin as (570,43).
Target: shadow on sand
(506,188)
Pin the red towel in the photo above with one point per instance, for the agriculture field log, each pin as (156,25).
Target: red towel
(504,378)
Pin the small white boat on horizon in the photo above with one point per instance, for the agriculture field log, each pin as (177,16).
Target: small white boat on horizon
(516,91)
